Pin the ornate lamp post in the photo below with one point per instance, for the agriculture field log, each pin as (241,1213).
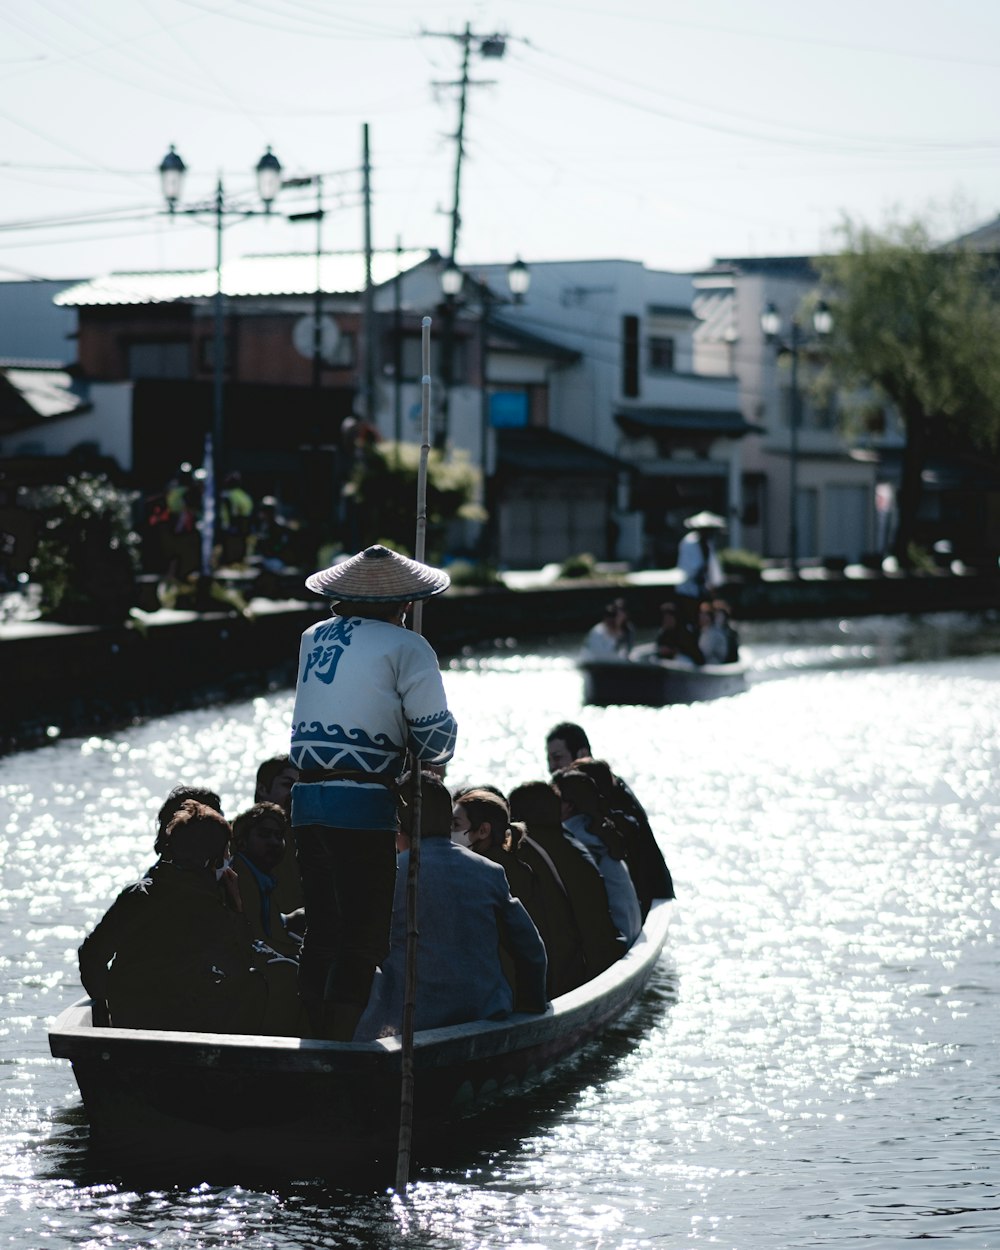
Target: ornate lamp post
(772,325)
(172,172)
(452,284)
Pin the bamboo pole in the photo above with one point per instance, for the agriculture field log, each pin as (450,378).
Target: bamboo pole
(413,873)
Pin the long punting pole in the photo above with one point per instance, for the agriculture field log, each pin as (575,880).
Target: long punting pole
(410,994)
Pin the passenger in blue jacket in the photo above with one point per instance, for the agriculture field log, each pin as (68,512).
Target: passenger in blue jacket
(464,910)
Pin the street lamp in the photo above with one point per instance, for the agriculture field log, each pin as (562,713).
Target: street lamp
(172,171)
(771,323)
(452,284)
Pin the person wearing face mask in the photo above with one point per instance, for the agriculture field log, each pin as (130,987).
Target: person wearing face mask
(182,958)
(260,856)
(464,911)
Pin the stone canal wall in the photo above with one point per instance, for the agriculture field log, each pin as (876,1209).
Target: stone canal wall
(58,680)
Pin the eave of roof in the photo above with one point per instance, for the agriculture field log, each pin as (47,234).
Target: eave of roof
(341,273)
(535,449)
(534,343)
(717,422)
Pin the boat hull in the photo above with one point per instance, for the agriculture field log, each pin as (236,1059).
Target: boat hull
(649,682)
(226,1104)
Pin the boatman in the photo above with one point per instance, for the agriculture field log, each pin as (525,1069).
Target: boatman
(368,690)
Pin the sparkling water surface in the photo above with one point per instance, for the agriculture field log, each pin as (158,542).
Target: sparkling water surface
(815,1063)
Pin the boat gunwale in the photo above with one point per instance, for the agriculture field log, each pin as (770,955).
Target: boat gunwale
(73,1037)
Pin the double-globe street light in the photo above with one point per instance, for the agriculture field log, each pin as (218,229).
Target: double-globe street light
(452,283)
(772,325)
(172,172)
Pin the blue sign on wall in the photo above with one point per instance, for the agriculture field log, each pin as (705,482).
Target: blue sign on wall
(509,410)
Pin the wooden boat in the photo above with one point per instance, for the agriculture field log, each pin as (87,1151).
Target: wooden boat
(652,682)
(236,1106)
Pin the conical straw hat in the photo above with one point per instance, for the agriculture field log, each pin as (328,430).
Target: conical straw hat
(705,521)
(378,575)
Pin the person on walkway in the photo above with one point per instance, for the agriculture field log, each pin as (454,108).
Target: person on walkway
(464,913)
(368,690)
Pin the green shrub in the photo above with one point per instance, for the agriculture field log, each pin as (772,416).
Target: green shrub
(739,560)
(472,573)
(87,554)
(579,566)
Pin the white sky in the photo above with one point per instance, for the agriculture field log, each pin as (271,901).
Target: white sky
(655,130)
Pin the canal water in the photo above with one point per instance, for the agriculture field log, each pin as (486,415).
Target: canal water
(815,1063)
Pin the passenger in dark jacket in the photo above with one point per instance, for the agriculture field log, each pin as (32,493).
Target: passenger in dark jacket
(182,959)
(481,821)
(464,911)
(537,805)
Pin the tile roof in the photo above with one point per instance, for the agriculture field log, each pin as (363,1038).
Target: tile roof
(342,273)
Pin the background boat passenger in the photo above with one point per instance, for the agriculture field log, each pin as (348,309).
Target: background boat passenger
(567,742)
(464,911)
(583,819)
(368,690)
(260,855)
(613,633)
(547,847)
(674,641)
(181,958)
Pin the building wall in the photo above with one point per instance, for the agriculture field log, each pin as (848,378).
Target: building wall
(108,426)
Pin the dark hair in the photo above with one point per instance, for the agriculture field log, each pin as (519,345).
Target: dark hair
(580,790)
(599,771)
(484,807)
(489,789)
(574,737)
(196,836)
(268,769)
(535,803)
(172,804)
(435,806)
(245,821)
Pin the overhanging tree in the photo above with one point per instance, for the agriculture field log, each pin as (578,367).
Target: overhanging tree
(921,325)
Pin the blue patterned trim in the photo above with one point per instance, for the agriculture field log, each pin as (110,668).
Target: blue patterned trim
(433,737)
(315,745)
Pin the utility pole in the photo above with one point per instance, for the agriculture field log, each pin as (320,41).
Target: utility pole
(369,296)
(491,47)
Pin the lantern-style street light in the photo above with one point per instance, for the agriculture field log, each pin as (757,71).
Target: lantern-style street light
(172,173)
(772,325)
(452,285)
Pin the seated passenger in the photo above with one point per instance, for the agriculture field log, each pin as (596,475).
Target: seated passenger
(723,618)
(567,742)
(675,641)
(645,863)
(182,959)
(582,819)
(713,639)
(260,857)
(464,911)
(172,805)
(612,635)
(275,778)
(481,822)
(548,848)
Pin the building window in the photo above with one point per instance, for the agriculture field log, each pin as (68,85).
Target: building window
(660,354)
(159,360)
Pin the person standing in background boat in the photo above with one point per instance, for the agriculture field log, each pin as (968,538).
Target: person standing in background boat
(368,690)
(465,912)
(698,560)
(567,742)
